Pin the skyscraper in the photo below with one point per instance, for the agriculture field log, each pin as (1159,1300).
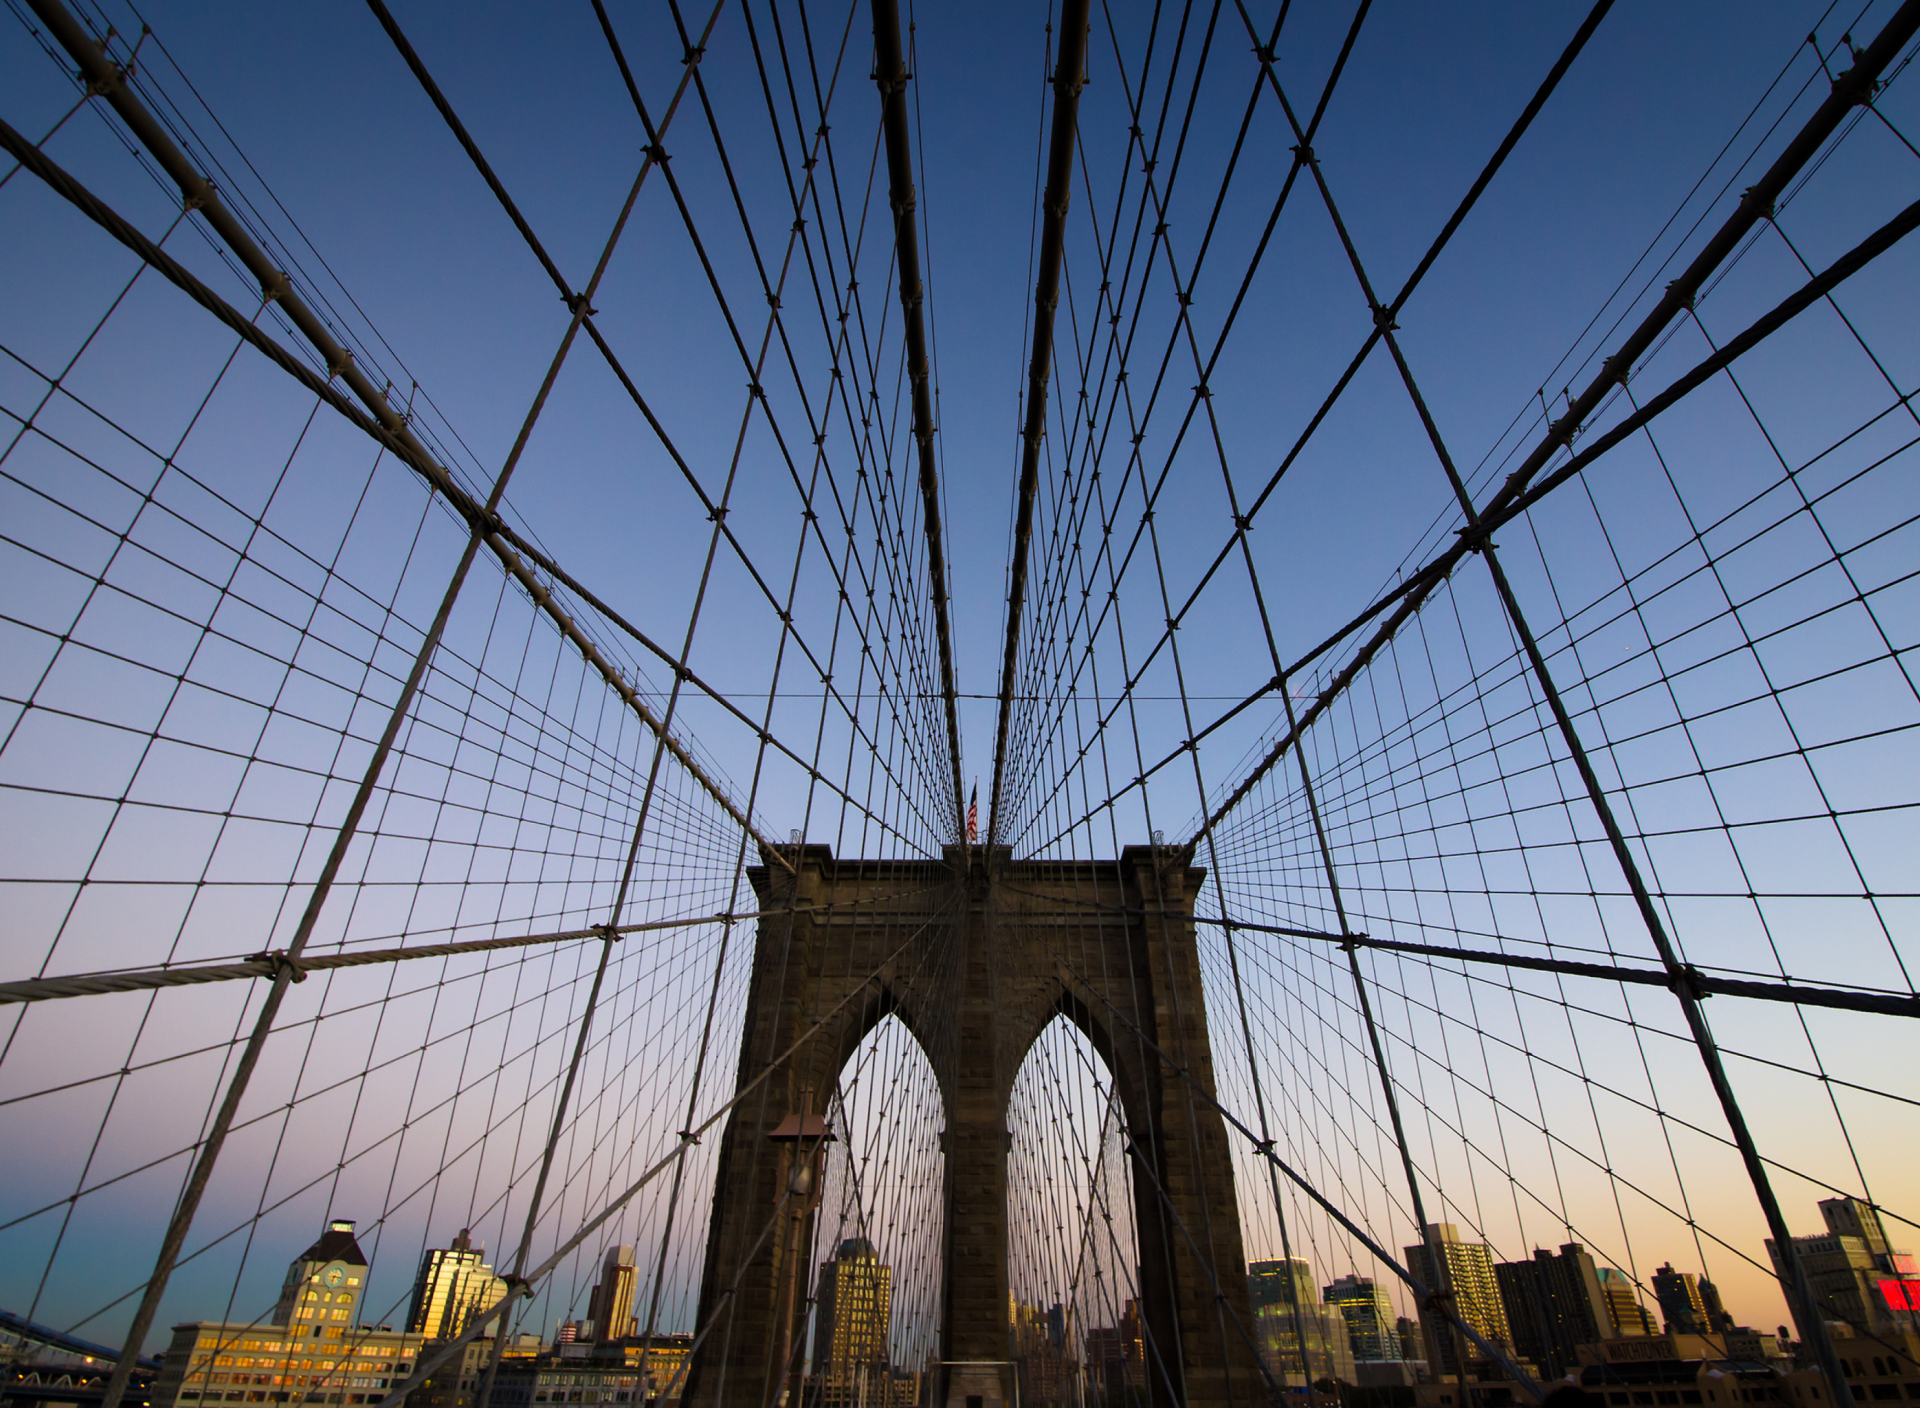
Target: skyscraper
(453,1286)
(1465,1270)
(1623,1304)
(851,1323)
(611,1307)
(1369,1316)
(1285,1307)
(323,1285)
(1554,1305)
(1680,1303)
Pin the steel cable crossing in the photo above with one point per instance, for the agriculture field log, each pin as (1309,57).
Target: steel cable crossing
(1431,971)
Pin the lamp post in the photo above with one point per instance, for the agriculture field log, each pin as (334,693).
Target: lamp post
(803,1134)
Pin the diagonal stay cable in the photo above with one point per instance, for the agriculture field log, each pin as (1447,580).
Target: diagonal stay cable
(655,156)
(1850,89)
(522,1287)
(483,520)
(1519,495)
(1429,1299)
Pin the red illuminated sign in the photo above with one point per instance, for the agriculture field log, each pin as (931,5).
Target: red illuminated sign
(1901,1295)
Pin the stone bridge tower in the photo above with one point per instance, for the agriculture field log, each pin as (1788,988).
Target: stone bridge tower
(976,954)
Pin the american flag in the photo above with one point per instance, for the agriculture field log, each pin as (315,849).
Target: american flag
(973,817)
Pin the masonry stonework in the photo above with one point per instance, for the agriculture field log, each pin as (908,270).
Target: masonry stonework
(976,954)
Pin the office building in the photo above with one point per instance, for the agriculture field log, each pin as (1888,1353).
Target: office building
(1117,1357)
(1301,1339)
(454,1285)
(635,1370)
(1463,1270)
(852,1321)
(312,1350)
(1038,1347)
(610,1308)
(1407,1331)
(1369,1316)
(1554,1305)
(1858,1276)
(1680,1305)
(323,1285)
(1623,1304)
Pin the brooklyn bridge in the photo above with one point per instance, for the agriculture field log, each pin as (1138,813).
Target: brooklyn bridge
(793,702)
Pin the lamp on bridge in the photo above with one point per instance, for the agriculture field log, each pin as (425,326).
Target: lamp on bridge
(802,1136)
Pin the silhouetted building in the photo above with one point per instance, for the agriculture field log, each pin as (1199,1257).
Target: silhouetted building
(1554,1305)
(1300,1338)
(1679,1295)
(453,1286)
(1717,1317)
(851,1322)
(1463,1271)
(1369,1316)
(1117,1357)
(1407,1331)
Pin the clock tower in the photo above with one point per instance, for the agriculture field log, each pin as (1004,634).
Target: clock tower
(323,1286)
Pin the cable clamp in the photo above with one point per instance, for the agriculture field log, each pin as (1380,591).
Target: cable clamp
(1242,523)
(1690,981)
(1383,319)
(687,1136)
(337,366)
(1303,154)
(1265,54)
(281,964)
(694,54)
(576,302)
(607,931)
(656,152)
(277,287)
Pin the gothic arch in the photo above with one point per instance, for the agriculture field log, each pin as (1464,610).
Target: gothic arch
(952,947)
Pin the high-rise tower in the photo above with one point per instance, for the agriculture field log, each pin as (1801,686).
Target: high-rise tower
(611,1306)
(1465,1270)
(852,1323)
(1369,1316)
(454,1285)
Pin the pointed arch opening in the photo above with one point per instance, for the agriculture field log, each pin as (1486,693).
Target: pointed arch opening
(1075,1328)
(877,1266)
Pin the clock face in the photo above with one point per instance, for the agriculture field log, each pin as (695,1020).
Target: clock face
(334,1276)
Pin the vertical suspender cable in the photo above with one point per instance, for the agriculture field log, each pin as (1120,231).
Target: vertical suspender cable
(1068,79)
(890,73)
